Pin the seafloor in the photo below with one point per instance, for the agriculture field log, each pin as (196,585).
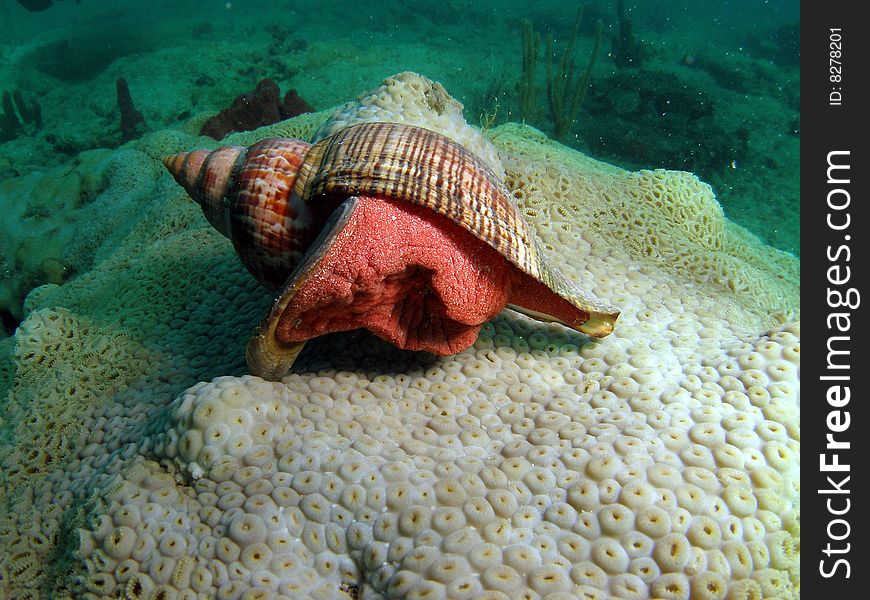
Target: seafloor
(660,461)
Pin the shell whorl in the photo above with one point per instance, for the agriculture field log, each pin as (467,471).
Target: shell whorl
(205,175)
(413,164)
(247,195)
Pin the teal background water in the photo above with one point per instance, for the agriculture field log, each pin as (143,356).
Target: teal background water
(716,91)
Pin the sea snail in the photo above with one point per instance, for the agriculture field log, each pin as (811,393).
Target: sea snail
(388,227)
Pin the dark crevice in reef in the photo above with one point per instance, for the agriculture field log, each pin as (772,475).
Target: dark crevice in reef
(10,323)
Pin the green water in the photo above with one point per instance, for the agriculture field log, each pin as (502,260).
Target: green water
(709,87)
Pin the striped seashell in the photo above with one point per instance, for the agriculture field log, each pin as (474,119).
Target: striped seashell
(247,195)
(274,198)
(426,168)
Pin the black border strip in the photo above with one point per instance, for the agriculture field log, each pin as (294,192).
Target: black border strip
(834,261)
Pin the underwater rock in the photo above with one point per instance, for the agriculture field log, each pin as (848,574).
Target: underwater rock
(132,121)
(36,5)
(84,56)
(262,106)
(781,45)
(647,117)
(627,50)
(18,117)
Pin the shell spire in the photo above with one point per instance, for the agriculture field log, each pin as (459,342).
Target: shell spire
(247,195)
(205,176)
